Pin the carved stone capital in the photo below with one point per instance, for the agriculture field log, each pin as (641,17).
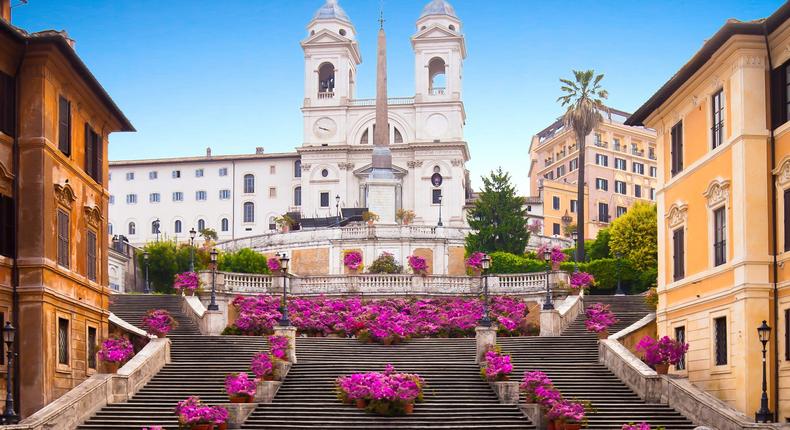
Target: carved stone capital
(414,164)
(346,166)
(457,162)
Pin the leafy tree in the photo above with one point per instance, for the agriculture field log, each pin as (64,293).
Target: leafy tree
(209,234)
(584,100)
(166,259)
(498,217)
(635,236)
(244,260)
(599,248)
(385,263)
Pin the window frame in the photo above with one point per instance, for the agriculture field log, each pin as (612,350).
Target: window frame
(321,199)
(64,125)
(676,149)
(717,118)
(716,342)
(719,243)
(91,348)
(680,328)
(620,184)
(63,225)
(678,261)
(63,363)
(555,203)
(92,271)
(248,183)
(608,217)
(245,218)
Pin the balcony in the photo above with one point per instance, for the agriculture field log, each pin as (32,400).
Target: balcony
(638,152)
(601,144)
(326,95)
(390,101)
(438,91)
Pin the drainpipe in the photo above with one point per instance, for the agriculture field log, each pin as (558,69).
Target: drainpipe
(774,250)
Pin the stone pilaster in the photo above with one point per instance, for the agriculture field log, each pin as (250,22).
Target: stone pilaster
(485,338)
(290,333)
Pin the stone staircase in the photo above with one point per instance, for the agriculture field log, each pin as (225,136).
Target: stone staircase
(571,361)
(132,307)
(455,398)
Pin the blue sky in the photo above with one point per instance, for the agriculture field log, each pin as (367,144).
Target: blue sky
(228,74)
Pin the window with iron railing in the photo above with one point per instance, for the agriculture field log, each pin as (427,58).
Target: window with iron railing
(680,336)
(720,333)
(717,130)
(719,236)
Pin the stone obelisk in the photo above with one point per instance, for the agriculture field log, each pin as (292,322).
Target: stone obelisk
(382,182)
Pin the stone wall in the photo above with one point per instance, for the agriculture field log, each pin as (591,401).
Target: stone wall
(311,261)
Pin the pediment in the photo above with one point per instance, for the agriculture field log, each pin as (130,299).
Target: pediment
(435,31)
(326,36)
(365,170)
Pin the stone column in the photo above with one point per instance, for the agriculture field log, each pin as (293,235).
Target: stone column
(213,323)
(485,338)
(290,333)
(506,391)
(238,413)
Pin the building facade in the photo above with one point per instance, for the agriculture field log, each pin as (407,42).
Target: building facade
(329,171)
(620,166)
(55,119)
(724,210)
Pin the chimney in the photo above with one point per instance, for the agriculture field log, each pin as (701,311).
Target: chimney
(259,150)
(208,152)
(5,10)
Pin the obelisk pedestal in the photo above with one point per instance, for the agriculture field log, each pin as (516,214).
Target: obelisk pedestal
(381,198)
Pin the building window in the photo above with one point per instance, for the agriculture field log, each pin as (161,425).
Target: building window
(678,254)
(178,196)
(7,227)
(298,169)
(63,238)
(298,196)
(324,197)
(130,176)
(154,198)
(92,344)
(272,223)
(603,212)
(573,164)
(638,168)
(94,159)
(223,171)
(64,126)
(7,105)
(131,199)
(249,212)
(550,175)
(176,174)
(272,192)
(637,191)
(198,173)
(132,229)
(560,171)
(91,255)
(555,203)
(620,211)
(436,196)
(720,336)
(601,184)
(224,194)
(717,130)
(272,169)
(112,199)
(224,224)
(620,164)
(620,187)
(177,226)
(602,160)
(249,184)
(63,341)
(555,228)
(201,225)
(200,195)
(680,336)
(676,148)
(652,193)
(153,174)
(574,205)
(324,173)
(719,236)
(653,171)
(787,218)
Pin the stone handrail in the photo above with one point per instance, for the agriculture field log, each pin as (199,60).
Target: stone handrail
(101,389)
(554,321)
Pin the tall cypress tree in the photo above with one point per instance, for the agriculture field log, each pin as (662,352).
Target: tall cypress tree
(498,217)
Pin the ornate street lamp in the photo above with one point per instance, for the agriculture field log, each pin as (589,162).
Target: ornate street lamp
(548,304)
(440,211)
(620,291)
(485,320)
(147,289)
(192,234)
(213,305)
(764,415)
(575,236)
(337,206)
(284,322)
(9,416)
(156,228)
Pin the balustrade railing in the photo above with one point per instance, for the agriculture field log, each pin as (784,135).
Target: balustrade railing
(325,95)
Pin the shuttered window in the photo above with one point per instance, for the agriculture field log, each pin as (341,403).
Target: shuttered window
(92,347)
(717,130)
(94,158)
(7,226)
(678,254)
(91,255)
(64,126)
(719,237)
(7,105)
(63,341)
(720,332)
(677,148)
(603,212)
(63,238)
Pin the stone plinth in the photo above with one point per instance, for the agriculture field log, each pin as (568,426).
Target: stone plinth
(266,391)
(290,333)
(280,369)
(381,199)
(506,391)
(550,323)
(213,323)
(238,413)
(534,412)
(485,338)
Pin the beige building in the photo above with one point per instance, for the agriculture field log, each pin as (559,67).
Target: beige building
(620,166)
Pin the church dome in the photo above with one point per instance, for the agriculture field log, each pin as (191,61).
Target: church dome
(331,10)
(438,7)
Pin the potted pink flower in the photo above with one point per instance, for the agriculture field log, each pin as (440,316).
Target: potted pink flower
(418,265)
(387,393)
(581,281)
(497,366)
(352,260)
(240,387)
(475,263)
(557,256)
(569,415)
(599,319)
(186,281)
(273,263)
(279,347)
(659,354)
(195,415)
(115,351)
(159,322)
(530,384)
(262,366)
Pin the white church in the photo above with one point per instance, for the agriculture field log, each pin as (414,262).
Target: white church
(330,178)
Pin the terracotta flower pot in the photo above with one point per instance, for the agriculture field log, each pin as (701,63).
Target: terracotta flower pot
(662,368)
(572,426)
(269,377)
(240,398)
(223,426)
(112,367)
(361,403)
(200,427)
(551,425)
(408,409)
(603,334)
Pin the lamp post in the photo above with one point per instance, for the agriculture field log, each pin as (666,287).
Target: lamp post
(548,304)
(9,416)
(192,234)
(337,206)
(620,291)
(156,228)
(440,211)
(485,320)
(213,305)
(764,415)
(575,236)
(284,322)
(147,289)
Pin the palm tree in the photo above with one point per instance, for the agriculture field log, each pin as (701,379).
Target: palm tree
(584,101)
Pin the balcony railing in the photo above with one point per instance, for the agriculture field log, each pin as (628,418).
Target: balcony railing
(325,95)
(438,91)
(390,101)
(601,144)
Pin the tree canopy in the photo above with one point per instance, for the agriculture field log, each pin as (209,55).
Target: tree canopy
(635,236)
(498,217)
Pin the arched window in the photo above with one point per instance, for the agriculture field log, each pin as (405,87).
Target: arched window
(132,229)
(298,169)
(397,138)
(298,196)
(436,76)
(326,78)
(249,183)
(177,226)
(249,212)
(272,223)
(224,224)
(201,225)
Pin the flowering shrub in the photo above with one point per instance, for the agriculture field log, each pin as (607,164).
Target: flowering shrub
(662,351)
(273,264)
(193,411)
(385,263)
(219,415)
(418,264)
(640,426)
(651,298)
(159,322)
(497,366)
(116,350)
(261,365)
(581,280)
(565,410)
(278,346)
(384,321)
(557,256)
(475,261)
(599,318)
(385,393)
(240,384)
(186,281)
(352,260)
(531,382)
(535,226)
